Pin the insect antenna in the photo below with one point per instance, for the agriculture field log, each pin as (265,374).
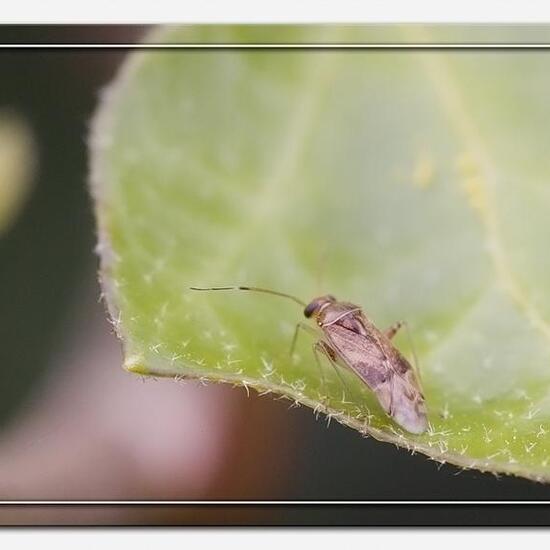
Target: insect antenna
(253,289)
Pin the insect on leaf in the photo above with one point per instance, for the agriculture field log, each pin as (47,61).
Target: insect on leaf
(412,183)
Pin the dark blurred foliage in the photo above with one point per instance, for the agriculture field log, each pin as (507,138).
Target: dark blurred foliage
(47,252)
(47,258)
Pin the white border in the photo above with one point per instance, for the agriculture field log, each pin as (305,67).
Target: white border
(275,11)
(441,46)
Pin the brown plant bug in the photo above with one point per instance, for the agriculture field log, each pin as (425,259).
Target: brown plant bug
(350,339)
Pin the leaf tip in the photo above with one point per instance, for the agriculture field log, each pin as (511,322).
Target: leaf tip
(135,364)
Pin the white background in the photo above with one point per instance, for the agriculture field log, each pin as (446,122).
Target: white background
(274,539)
(282,11)
(219,11)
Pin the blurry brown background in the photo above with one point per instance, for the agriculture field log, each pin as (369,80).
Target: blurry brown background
(74,425)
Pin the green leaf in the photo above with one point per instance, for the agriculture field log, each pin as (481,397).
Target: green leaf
(413,183)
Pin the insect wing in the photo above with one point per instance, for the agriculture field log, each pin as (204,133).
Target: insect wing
(361,353)
(385,371)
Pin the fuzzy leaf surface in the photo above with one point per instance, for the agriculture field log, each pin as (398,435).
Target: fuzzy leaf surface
(413,183)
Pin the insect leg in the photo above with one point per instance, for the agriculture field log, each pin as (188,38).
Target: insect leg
(392,331)
(301,326)
(415,357)
(316,347)
(330,354)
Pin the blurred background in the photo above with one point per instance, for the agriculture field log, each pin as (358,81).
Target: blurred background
(73,424)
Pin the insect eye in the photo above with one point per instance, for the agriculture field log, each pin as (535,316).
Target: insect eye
(309,309)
